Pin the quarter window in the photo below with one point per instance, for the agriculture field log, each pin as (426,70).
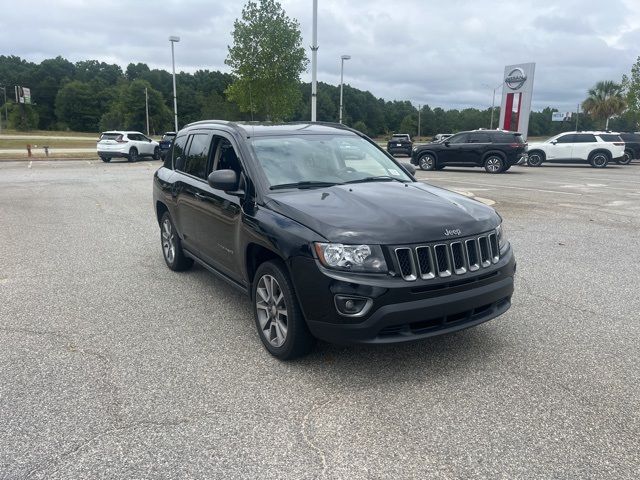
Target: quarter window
(196,159)
(178,152)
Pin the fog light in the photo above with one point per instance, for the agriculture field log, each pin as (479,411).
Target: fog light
(352,306)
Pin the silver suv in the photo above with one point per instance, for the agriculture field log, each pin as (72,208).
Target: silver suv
(129,145)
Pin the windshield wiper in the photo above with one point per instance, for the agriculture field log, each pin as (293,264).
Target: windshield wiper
(379,178)
(305,184)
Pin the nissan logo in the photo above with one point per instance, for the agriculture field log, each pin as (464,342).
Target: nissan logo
(515,79)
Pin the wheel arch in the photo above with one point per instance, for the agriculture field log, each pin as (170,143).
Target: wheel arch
(538,151)
(256,255)
(160,209)
(600,150)
(494,152)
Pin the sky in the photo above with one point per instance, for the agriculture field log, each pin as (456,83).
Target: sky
(445,54)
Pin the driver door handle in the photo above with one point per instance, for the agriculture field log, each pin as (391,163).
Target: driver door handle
(199,196)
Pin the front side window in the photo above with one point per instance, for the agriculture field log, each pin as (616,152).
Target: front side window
(305,160)
(565,138)
(460,138)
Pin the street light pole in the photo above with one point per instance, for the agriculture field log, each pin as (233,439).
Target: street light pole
(342,59)
(146,104)
(493,101)
(419,120)
(173,39)
(314,62)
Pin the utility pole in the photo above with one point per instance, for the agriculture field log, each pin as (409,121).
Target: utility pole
(418,120)
(146,104)
(342,59)
(577,115)
(314,61)
(173,39)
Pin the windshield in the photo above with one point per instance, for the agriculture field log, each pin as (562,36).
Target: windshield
(320,160)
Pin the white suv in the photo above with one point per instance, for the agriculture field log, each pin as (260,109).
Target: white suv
(130,145)
(576,147)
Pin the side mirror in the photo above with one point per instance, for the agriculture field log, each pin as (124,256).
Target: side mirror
(447,143)
(554,142)
(409,168)
(225,180)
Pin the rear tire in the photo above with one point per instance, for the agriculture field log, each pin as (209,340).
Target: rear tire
(133,155)
(494,164)
(279,320)
(598,160)
(105,159)
(172,251)
(427,162)
(535,159)
(156,153)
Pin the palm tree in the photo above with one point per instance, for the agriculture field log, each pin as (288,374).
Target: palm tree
(605,100)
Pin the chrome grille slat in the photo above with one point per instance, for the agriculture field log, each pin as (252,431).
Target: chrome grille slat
(447,258)
(406,263)
(425,262)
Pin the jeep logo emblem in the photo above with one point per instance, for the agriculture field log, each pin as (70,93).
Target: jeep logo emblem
(516,78)
(454,232)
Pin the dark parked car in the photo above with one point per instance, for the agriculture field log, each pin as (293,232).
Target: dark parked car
(400,143)
(495,150)
(311,221)
(632,145)
(628,147)
(165,143)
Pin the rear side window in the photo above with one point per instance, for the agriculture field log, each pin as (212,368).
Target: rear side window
(630,137)
(608,137)
(585,138)
(462,138)
(196,160)
(177,157)
(478,138)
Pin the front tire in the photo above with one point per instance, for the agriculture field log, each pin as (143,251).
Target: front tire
(133,155)
(494,164)
(172,251)
(626,158)
(427,162)
(599,160)
(279,320)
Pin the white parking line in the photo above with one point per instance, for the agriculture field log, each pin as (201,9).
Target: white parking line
(515,188)
(30,163)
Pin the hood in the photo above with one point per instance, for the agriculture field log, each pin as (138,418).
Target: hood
(388,213)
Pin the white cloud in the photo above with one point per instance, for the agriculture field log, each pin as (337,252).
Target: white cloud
(424,51)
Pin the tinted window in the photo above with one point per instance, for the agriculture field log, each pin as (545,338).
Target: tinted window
(565,139)
(133,136)
(478,138)
(196,159)
(501,137)
(608,137)
(461,138)
(630,137)
(110,136)
(168,136)
(585,138)
(178,152)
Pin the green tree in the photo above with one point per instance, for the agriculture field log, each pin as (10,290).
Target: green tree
(604,101)
(22,117)
(78,105)
(267,57)
(631,87)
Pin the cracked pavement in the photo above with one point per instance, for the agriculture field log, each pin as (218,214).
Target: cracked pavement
(112,366)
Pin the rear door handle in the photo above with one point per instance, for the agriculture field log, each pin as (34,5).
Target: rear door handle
(199,196)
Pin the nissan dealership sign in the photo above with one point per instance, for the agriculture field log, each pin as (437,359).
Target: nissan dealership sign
(516,97)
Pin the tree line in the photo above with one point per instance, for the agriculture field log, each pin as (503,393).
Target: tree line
(92,96)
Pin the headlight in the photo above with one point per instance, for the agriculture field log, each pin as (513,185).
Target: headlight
(351,258)
(502,238)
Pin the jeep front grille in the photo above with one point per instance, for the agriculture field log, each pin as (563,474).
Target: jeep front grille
(446,259)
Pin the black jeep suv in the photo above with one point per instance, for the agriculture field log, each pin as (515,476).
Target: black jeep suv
(495,150)
(400,143)
(310,220)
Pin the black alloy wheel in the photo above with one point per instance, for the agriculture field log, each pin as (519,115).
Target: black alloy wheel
(427,162)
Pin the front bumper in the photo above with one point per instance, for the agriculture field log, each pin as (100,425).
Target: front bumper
(402,311)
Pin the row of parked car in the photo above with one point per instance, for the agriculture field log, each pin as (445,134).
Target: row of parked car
(498,150)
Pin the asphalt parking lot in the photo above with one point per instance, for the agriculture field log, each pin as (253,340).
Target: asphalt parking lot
(113,366)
